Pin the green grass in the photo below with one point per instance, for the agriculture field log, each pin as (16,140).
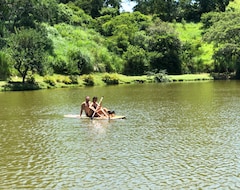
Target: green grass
(191,33)
(67,39)
(191,77)
(235,5)
(123,79)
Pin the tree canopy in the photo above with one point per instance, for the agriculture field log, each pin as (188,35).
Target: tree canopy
(79,37)
(170,10)
(224,31)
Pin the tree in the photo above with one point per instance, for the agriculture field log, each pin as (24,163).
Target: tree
(187,10)
(227,58)
(136,61)
(213,5)
(165,9)
(4,13)
(46,11)
(28,49)
(122,29)
(5,69)
(26,13)
(191,57)
(21,13)
(94,7)
(72,14)
(164,48)
(223,30)
(79,63)
(190,10)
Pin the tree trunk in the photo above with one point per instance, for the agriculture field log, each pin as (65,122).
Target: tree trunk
(24,74)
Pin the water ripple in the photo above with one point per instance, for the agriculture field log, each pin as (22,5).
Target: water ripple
(178,141)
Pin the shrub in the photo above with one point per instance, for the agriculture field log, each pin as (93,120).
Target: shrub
(31,80)
(67,80)
(161,76)
(79,63)
(19,86)
(74,79)
(49,80)
(59,80)
(110,79)
(88,80)
(60,65)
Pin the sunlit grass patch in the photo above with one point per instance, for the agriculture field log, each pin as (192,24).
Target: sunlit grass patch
(234,5)
(190,77)
(188,31)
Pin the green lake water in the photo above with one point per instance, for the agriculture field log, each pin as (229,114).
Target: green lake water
(175,136)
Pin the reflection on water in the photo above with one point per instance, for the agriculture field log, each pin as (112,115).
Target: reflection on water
(176,136)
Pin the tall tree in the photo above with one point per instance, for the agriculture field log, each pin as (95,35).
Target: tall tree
(28,50)
(94,7)
(191,10)
(136,61)
(165,9)
(164,48)
(223,30)
(26,13)
(206,6)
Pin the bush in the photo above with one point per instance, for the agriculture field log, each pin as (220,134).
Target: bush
(49,80)
(88,80)
(161,76)
(60,65)
(70,79)
(31,79)
(79,63)
(110,79)
(136,61)
(67,80)
(19,86)
(74,79)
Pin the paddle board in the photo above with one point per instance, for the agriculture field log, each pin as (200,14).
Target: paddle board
(97,118)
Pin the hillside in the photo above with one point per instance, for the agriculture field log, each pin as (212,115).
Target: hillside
(73,41)
(192,33)
(68,39)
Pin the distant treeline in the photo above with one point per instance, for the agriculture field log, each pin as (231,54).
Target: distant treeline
(83,36)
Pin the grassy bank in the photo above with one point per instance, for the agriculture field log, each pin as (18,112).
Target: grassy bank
(190,77)
(61,81)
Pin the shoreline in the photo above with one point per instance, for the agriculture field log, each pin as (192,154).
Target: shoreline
(61,81)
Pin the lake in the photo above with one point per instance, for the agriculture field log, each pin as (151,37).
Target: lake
(175,136)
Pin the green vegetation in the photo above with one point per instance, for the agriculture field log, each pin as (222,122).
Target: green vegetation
(98,79)
(59,43)
(192,33)
(191,77)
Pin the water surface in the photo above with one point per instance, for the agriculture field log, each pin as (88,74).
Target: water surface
(176,136)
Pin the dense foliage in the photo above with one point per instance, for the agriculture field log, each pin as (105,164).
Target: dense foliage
(79,37)
(190,10)
(224,31)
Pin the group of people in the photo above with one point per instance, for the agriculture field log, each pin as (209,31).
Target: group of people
(94,109)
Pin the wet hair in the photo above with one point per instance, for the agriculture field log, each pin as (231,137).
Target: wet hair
(94,98)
